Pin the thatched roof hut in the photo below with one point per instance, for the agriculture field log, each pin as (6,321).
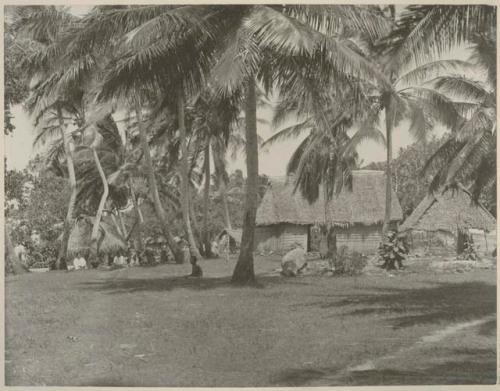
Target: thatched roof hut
(449,211)
(285,217)
(444,216)
(365,204)
(109,240)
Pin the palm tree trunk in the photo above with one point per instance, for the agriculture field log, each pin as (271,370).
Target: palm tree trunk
(388,168)
(11,256)
(62,257)
(220,170)
(206,199)
(140,220)
(225,206)
(194,223)
(153,187)
(244,271)
(122,223)
(185,177)
(98,217)
(119,229)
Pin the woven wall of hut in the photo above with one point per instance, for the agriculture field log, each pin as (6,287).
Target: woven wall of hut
(361,238)
(280,237)
(484,242)
(292,234)
(437,243)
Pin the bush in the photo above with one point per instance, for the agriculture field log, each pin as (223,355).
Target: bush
(393,250)
(469,252)
(348,263)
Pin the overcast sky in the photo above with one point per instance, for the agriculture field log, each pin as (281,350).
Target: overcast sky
(272,160)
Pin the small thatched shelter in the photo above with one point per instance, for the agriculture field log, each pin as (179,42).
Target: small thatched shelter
(284,217)
(234,237)
(440,219)
(109,240)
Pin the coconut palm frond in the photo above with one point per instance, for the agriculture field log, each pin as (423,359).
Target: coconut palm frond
(461,86)
(293,131)
(430,70)
(334,19)
(435,105)
(444,27)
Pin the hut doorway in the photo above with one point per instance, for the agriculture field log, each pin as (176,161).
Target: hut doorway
(313,238)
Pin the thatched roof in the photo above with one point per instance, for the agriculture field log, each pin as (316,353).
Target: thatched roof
(365,204)
(79,239)
(448,211)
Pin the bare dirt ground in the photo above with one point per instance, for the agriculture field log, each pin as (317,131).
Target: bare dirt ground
(152,327)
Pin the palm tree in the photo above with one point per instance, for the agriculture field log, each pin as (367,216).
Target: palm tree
(247,37)
(100,25)
(267,46)
(426,31)
(421,35)
(47,26)
(470,153)
(101,134)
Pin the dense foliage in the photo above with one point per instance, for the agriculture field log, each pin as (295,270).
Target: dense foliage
(393,250)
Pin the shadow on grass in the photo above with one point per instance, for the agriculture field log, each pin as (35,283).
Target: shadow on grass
(299,377)
(445,302)
(160,284)
(471,371)
(475,367)
(488,329)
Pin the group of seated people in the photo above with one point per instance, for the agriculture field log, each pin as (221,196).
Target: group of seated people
(120,258)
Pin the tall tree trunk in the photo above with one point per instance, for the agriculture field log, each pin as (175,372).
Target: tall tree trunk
(220,170)
(119,229)
(206,200)
(244,271)
(122,223)
(98,217)
(193,248)
(11,256)
(194,223)
(140,220)
(62,257)
(388,169)
(225,206)
(153,187)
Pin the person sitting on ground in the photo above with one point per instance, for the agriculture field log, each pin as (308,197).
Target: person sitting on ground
(195,268)
(79,262)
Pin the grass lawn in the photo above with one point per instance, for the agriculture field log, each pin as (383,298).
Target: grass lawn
(151,327)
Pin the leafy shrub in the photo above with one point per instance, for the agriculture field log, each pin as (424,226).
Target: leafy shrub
(393,250)
(348,263)
(469,252)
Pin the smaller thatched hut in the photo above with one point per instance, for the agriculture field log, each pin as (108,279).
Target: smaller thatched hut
(441,219)
(109,240)
(234,238)
(285,217)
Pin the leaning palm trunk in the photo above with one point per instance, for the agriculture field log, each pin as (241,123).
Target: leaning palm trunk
(206,199)
(220,170)
(388,169)
(244,272)
(62,257)
(160,212)
(16,265)
(194,224)
(97,221)
(193,248)
(140,220)
(225,206)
